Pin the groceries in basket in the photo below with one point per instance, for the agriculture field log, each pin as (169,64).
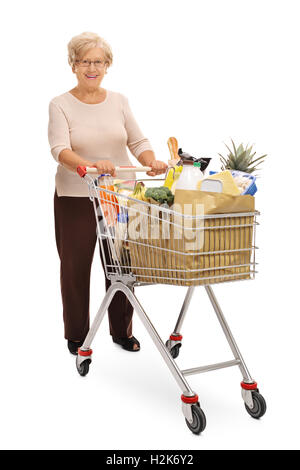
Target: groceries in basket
(190,175)
(233,182)
(192,172)
(160,241)
(227,186)
(153,195)
(214,245)
(185,170)
(160,195)
(175,247)
(120,233)
(245,182)
(120,252)
(139,192)
(173,148)
(108,201)
(173,175)
(241,159)
(175,166)
(186,158)
(236,177)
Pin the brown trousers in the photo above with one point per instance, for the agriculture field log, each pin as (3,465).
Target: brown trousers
(75,231)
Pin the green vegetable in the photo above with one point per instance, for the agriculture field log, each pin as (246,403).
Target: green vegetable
(161,194)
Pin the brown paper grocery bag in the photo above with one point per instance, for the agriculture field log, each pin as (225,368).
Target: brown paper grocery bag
(162,253)
(146,241)
(140,257)
(221,235)
(214,203)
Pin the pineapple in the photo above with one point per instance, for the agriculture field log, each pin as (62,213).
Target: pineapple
(241,159)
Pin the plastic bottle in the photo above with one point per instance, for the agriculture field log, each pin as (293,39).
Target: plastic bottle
(189,176)
(121,227)
(120,239)
(172,177)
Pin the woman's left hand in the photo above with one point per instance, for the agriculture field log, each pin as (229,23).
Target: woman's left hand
(157,168)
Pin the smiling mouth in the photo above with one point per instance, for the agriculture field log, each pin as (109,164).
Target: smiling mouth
(91,77)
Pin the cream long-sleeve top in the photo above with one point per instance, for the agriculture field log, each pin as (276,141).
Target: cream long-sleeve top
(100,131)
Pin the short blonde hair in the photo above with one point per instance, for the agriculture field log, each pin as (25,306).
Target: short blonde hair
(80,44)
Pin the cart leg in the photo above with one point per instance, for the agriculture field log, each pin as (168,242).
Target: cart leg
(119,286)
(254,401)
(157,340)
(85,352)
(231,341)
(174,342)
(184,309)
(195,417)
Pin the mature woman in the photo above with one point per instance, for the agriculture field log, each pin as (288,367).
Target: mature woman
(90,126)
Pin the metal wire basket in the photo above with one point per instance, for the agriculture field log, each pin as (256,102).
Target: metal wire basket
(157,245)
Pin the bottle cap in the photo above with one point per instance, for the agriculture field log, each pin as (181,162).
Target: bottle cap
(197,164)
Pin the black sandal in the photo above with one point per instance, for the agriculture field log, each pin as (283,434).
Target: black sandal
(73,346)
(127,343)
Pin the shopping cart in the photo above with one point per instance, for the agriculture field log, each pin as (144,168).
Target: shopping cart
(148,244)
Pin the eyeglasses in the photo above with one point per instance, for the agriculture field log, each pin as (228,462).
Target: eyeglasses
(99,64)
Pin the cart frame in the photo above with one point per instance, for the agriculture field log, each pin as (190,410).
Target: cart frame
(194,415)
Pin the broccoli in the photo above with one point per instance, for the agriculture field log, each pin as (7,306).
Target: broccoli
(161,194)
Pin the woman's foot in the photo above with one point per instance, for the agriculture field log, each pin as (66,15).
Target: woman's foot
(73,346)
(130,344)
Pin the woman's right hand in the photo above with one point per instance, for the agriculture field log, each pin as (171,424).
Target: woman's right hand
(105,166)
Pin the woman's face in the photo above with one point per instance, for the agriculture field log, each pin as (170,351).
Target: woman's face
(90,68)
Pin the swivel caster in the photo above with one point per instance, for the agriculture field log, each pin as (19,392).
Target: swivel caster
(83,361)
(83,368)
(174,344)
(194,416)
(254,402)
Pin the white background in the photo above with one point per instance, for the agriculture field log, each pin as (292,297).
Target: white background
(205,72)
